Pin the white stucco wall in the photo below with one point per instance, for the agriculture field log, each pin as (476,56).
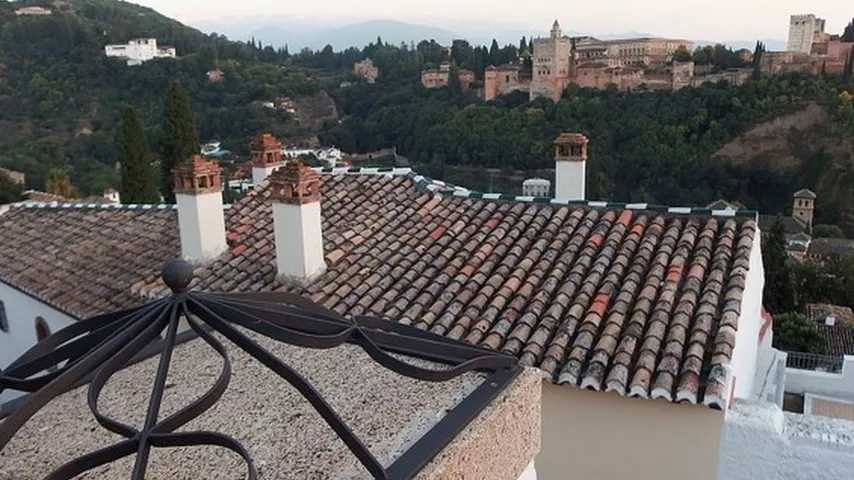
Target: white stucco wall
(530,473)
(759,441)
(595,435)
(201,223)
(747,343)
(260,174)
(299,240)
(21,312)
(569,179)
(839,385)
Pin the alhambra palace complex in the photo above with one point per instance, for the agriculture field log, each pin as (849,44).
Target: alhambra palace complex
(586,61)
(559,61)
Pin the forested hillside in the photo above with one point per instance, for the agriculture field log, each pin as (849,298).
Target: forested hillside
(60,97)
(645,146)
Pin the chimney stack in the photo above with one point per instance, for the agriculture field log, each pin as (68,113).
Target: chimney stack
(201,222)
(266,157)
(295,193)
(570,166)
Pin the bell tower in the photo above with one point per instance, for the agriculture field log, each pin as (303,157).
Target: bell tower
(803,207)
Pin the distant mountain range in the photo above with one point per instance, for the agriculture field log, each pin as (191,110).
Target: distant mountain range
(300,32)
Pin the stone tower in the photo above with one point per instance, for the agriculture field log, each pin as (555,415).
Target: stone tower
(570,166)
(551,64)
(803,207)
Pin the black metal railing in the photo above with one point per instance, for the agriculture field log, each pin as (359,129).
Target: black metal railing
(97,348)
(814,362)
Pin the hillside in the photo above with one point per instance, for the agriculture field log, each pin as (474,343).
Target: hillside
(806,148)
(60,95)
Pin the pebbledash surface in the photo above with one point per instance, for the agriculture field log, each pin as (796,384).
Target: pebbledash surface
(362,408)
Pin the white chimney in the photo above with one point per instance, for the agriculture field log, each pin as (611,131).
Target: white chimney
(112,195)
(295,193)
(201,222)
(570,166)
(266,157)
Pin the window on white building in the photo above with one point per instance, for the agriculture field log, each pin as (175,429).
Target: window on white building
(4,321)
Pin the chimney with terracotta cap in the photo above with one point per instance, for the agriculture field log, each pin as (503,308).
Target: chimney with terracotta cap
(570,166)
(266,156)
(295,194)
(201,221)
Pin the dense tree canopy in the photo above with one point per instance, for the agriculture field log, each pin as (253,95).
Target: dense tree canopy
(10,191)
(793,332)
(645,146)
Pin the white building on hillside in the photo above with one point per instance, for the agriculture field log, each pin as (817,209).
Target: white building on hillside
(33,11)
(140,50)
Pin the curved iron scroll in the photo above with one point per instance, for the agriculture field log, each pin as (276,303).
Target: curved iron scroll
(99,347)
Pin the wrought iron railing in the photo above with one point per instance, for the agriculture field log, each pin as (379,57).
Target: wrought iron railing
(814,362)
(99,347)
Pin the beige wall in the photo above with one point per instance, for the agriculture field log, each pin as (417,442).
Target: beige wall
(594,435)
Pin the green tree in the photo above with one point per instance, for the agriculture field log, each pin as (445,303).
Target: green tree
(848,34)
(793,332)
(779,290)
(682,55)
(848,72)
(758,52)
(180,139)
(827,231)
(59,183)
(454,85)
(9,191)
(139,183)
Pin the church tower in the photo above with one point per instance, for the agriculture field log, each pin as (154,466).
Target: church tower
(803,207)
(556,32)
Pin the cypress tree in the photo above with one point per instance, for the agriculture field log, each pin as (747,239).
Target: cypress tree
(139,184)
(757,60)
(848,71)
(180,139)
(494,54)
(779,290)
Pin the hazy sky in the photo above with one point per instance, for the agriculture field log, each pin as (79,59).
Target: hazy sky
(694,19)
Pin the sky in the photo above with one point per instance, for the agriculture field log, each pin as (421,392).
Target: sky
(716,20)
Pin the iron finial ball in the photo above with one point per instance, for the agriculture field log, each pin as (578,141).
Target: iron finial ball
(177,274)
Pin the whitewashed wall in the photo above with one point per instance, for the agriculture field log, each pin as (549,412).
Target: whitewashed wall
(823,383)
(759,441)
(21,312)
(747,345)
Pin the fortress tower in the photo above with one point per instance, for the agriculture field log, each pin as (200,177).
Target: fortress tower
(551,66)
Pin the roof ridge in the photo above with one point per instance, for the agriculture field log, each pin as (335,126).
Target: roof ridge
(445,188)
(99,206)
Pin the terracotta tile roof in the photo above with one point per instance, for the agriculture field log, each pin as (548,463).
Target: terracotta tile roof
(791,225)
(838,339)
(84,260)
(831,247)
(638,300)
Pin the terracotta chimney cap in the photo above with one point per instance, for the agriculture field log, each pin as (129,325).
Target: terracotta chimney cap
(571,139)
(266,151)
(198,176)
(295,184)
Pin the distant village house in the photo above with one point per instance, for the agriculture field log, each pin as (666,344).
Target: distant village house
(438,77)
(366,70)
(33,11)
(140,50)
